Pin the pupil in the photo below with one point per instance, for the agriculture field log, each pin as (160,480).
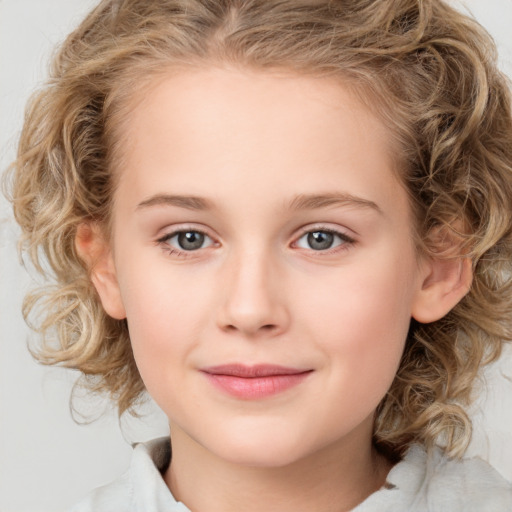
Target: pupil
(319,240)
(190,240)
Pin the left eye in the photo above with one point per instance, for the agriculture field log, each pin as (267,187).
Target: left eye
(321,240)
(188,240)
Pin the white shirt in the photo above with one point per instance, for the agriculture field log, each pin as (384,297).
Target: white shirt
(421,482)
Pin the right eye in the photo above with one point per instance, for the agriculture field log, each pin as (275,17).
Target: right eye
(187,240)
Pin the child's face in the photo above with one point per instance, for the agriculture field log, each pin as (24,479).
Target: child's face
(258,221)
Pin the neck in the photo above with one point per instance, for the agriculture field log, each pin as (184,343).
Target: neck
(335,479)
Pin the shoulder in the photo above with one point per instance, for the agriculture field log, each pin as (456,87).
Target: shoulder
(114,497)
(468,484)
(433,482)
(140,488)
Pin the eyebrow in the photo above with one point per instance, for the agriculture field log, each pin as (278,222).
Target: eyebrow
(300,202)
(315,201)
(188,202)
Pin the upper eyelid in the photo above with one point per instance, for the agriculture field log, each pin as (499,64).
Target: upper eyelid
(311,228)
(170,233)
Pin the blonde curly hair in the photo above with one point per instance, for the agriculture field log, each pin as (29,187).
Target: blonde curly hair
(428,70)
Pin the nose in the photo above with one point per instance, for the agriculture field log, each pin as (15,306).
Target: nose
(254,296)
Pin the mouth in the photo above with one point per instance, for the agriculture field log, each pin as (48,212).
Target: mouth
(254,382)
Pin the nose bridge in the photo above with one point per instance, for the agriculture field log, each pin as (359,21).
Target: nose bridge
(254,296)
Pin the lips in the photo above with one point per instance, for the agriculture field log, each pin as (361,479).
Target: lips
(254,382)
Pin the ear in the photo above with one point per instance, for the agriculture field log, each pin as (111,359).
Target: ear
(446,279)
(446,274)
(94,250)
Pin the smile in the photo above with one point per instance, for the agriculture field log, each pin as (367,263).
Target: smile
(254,382)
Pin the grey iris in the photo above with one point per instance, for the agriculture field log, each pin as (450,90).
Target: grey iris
(320,240)
(190,240)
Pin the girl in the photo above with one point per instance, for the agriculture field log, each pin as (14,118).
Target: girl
(290,223)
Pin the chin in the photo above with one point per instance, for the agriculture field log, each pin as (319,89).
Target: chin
(263,457)
(264,448)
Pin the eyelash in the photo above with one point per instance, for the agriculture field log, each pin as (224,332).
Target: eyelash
(345,241)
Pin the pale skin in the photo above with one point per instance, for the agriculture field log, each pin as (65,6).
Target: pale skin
(299,254)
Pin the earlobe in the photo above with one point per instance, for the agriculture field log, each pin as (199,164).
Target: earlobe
(446,281)
(94,250)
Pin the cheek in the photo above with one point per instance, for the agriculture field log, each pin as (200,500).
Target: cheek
(166,314)
(360,318)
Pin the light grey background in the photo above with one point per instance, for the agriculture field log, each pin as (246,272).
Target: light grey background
(47,462)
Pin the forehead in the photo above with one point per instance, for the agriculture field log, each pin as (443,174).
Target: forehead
(242,131)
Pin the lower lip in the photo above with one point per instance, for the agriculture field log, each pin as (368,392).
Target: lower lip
(256,387)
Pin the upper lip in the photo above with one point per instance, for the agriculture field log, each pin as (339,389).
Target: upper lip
(252,371)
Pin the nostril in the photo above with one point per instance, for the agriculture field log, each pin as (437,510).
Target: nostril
(263,328)
(267,327)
